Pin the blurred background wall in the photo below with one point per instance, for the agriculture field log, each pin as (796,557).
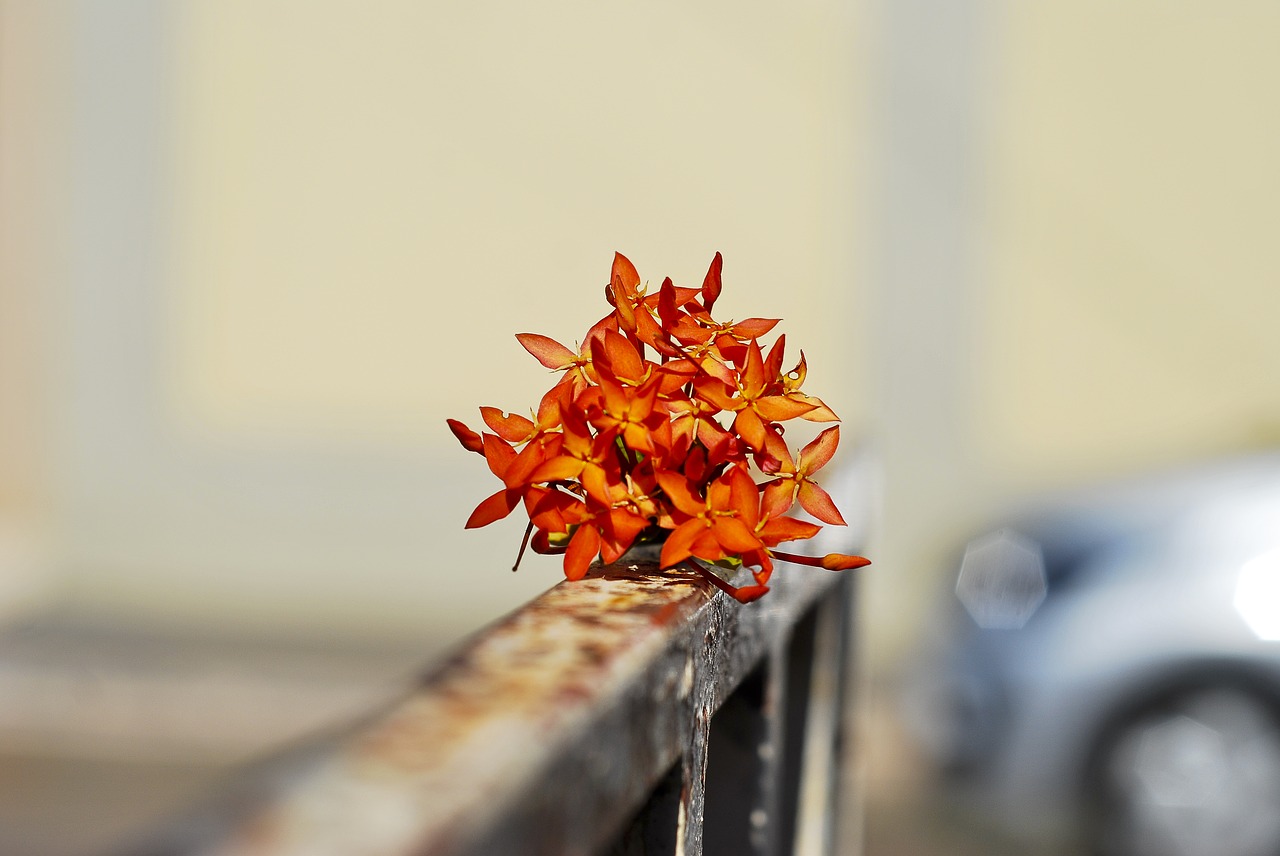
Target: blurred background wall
(256,253)
(253,254)
(1069,266)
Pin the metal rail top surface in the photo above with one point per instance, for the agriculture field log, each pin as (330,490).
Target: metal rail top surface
(542,734)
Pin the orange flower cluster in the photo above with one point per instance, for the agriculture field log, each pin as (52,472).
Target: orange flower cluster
(625,449)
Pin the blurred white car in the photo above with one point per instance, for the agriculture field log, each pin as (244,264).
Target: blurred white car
(1108,670)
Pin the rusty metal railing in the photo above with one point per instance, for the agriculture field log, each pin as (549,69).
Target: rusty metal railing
(629,713)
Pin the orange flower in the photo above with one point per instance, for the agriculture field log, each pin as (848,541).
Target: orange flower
(624,446)
(625,412)
(754,405)
(713,526)
(514,469)
(588,459)
(694,418)
(607,530)
(517,429)
(553,355)
(795,482)
(791,383)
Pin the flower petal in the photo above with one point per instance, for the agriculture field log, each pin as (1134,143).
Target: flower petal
(779,408)
(470,440)
(815,455)
(667,310)
(706,547)
(711,283)
(679,543)
(637,437)
(583,547)
(595,481)
(678,490)
(650,332)
(749,427)
(777,457)
(753,380)
(717,394)
(559,468)
(744,496)
(531,457)
(780,529)
(621,528)
(795,378)
(746,594)
(498,454)
(509,426)
(754,328)
(495,507)
(818,502)
(773,362)
(624,272)
(820,411)
(547,508)
(734,536)
(548,351)
(619,357)
(556,400)
(777,498)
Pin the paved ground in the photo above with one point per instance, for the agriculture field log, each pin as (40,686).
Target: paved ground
(906,814)
(106,731)
(51,806)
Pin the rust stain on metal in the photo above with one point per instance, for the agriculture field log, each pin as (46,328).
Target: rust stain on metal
(583,690)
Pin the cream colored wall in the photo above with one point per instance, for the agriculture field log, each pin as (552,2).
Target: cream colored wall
(370,203)
(33,91)
(301,235)
(1028,244)
(1079,278)
(1135,271)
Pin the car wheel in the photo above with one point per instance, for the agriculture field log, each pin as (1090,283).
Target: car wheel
(1198,776)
